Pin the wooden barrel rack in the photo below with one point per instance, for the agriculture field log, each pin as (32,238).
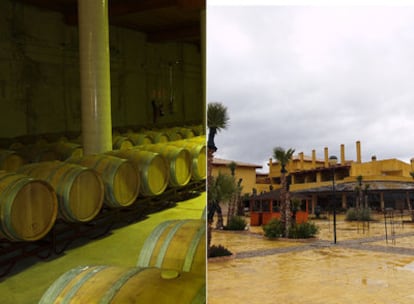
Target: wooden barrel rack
(64,234)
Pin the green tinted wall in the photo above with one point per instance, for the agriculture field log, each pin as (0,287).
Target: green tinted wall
(39,76)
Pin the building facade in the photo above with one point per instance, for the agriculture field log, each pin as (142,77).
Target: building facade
(377,184)
(244,171)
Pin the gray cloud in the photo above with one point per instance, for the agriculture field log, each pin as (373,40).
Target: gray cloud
(313,77)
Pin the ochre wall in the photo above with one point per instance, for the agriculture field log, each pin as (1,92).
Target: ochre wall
(248,174)
(378,168)
(39,76)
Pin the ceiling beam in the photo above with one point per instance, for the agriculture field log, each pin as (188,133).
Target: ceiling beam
(119,8)
(192,4)
(51,5)
(133,6)
(127,7)
(188,32)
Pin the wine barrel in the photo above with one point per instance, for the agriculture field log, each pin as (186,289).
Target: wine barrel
(121,143)
(28,207)
(158,137)
(198,139)
(80,190)
(198,130)
(120,285)
(37,153)
(139,138)
(204,214)
(179,160)
(152,168)
(185,132)
(67,150)
(176,244)
(198,154)
(10,160)
(173,134)
(120,177)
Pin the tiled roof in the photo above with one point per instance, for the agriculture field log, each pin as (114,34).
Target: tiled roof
(373,186)
(225,162)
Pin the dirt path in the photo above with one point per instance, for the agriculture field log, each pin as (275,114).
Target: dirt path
(362,267)
(361,244)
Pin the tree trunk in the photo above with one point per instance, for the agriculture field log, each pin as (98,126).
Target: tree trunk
(220,221)
(285,205)
(210,156)
(230,210)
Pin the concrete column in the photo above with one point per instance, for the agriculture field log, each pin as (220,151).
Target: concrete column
(342,154)
(382,203)
(344,202)
(203,63)
(318,177)
(326,157)
(95,76)
(314,202)
(358,152)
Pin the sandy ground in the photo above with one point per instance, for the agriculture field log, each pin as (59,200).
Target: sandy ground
(364,266)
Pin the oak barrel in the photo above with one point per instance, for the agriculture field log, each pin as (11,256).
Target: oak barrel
(37,153)
(80,190)
(120,285)
(178,245)
(173,134)
(198,152)
(120,177)
(158,136)
(121,143)
(179,160)
(152,168)
(67,150)
(139,138)
(185,132)
(10,160)
(28,207)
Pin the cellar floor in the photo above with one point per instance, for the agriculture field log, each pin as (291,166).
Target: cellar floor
(368,264)
(30,279)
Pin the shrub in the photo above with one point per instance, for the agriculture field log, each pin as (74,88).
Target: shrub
(363,214)
(273,229)
(236,223)
(218,251)
(303,230)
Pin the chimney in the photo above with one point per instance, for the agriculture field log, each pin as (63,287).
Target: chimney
(326,157)
(301,160)
(270,165)
(313,158)
(342,154)
(358,152)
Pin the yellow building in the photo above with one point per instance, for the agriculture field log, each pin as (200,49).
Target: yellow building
(244,171)
(385,183)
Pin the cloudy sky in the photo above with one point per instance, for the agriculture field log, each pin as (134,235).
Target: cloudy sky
(309,77)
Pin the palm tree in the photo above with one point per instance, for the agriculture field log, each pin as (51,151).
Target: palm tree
(230,212)
(217,120)
(283,158)
(359,190)
(221,189)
